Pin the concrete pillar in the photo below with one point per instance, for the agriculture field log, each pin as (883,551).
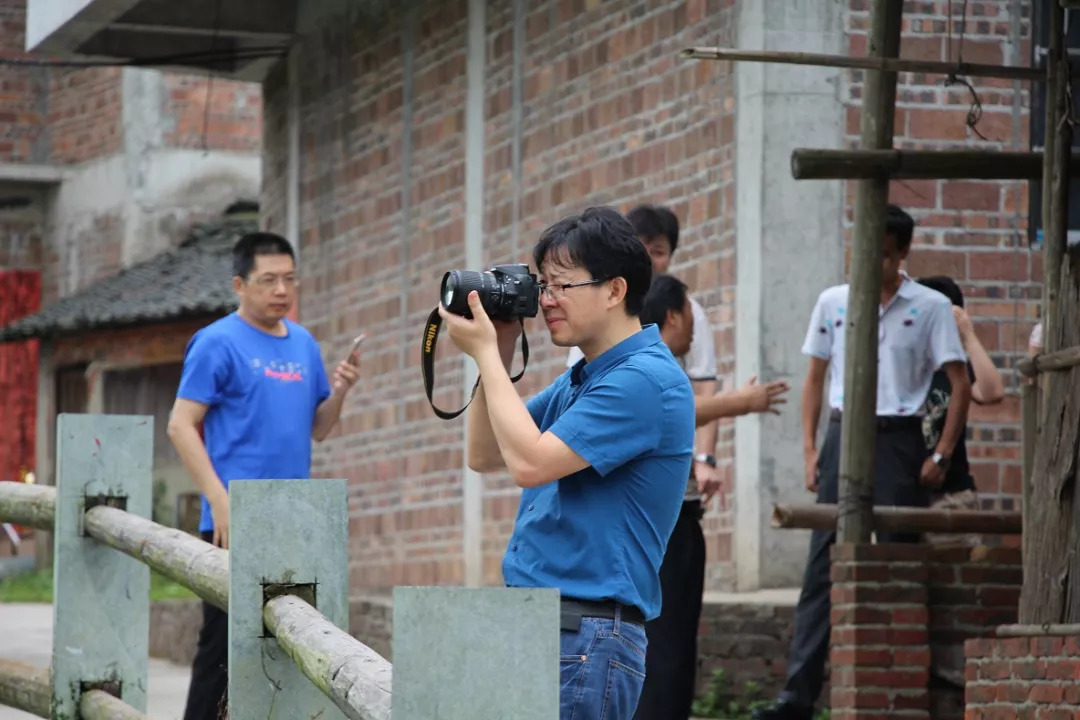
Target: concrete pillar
(789,247)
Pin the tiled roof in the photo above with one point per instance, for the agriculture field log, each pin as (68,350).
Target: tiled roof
(194,279)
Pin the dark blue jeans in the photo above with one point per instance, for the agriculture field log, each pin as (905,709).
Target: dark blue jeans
(601,670)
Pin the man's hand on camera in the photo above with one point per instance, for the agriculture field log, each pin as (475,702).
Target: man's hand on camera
(473,337)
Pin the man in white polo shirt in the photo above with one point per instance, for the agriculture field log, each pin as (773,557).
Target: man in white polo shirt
(917,336)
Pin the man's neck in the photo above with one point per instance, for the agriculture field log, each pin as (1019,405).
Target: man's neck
(615,333)
(275,328)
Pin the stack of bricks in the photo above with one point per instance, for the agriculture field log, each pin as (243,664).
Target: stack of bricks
(880,651)
(1025,677)
(900,617)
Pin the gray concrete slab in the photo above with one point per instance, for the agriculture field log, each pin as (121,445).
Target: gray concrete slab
(26,636)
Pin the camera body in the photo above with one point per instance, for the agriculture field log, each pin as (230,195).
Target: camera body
(507,292)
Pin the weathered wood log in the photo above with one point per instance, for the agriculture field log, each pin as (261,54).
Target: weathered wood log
(858,431)
(25,687)
(829,164)
(822,516)
(1069,630)
(195,564)
(1051,588)
(353,675)
(28,505)
(1046,362)
(1029,433)
(931,67)
(100,705)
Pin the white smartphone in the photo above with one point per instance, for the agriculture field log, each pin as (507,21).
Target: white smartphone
(354,354)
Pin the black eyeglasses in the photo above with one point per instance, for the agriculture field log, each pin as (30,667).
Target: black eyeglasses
(549,290)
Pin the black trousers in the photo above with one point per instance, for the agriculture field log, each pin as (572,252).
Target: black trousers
(898,458)
(207,694)
(671,654)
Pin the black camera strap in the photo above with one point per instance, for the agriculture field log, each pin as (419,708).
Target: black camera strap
(427,364)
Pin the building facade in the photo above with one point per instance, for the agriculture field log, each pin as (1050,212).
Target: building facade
(401,140)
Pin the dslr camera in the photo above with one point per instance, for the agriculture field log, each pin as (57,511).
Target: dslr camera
(507,292)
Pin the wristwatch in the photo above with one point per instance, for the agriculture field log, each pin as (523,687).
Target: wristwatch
(707,459)
(940,460)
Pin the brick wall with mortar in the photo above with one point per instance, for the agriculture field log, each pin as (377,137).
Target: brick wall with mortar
(66,116)
(900,617)
(972,231)
(1034,678)
(373,255)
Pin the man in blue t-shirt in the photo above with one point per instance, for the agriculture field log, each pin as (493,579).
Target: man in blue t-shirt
(253,393)
(602,453)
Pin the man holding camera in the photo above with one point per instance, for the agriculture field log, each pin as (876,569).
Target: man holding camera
(602,453)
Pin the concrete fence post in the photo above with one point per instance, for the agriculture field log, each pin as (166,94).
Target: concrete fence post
(476,653)
(101,598)
(286,537)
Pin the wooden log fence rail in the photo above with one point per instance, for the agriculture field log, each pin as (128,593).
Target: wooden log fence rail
(27,688)
(823,516)
(284,584)
(350,673)
(1063,359)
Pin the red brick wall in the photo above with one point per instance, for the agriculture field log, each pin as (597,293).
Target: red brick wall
(234,120)
(900,617)
(23,93)
(85,114)
(1028,677)
(973,231)
(588,137)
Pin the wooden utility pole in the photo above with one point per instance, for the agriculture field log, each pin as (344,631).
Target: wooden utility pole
(859,429)
(1051,590)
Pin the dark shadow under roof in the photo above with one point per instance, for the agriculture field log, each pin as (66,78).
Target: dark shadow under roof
(192,280)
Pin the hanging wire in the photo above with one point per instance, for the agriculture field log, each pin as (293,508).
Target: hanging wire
(954,78)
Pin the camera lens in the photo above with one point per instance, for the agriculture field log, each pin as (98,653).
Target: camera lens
(456,286)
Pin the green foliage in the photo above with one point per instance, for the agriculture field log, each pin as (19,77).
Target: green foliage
(37,587)
(722,701)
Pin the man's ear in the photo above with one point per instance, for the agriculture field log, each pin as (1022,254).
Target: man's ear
(618,291)
(238,285)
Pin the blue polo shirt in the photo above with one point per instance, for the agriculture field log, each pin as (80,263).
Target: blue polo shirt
(601,533)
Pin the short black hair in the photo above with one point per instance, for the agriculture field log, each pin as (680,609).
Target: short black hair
(603,242)
(946,286)
(655,221)
(665,293)
(257,243)
(900,225)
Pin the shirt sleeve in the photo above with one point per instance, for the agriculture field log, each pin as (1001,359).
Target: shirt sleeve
(205,371)
(537,405)
(701,358)
(318,374)
(614,421)
(819,334)
(945,345)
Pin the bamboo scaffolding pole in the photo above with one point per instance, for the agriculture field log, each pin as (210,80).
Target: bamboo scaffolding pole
(828,164)
(858,431)
(888,64)
(1046,362)
(823,516)
(350,673)
(25,687)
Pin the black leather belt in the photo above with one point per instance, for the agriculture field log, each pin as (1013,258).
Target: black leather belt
(573,610)
(887,423)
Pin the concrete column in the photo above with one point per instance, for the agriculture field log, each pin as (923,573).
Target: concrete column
(789,247)
(473,485)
